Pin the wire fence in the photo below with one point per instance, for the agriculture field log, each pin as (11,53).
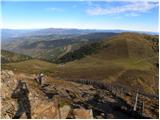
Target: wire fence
(116,89)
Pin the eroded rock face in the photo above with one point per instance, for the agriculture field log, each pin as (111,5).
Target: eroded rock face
(8,83)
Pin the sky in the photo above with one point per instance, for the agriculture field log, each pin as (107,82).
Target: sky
(139,15)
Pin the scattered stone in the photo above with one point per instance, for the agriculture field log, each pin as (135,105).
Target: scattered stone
(63,112)
(83,113)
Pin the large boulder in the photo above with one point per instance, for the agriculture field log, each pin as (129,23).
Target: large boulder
(44,110)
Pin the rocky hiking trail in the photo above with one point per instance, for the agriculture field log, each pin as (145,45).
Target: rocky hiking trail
(61,99)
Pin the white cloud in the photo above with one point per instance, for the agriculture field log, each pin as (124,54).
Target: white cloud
(134,8)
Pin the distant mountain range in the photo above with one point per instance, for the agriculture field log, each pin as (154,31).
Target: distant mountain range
(52,43)
(12,33)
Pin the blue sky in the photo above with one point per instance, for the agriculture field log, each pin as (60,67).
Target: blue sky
(141,15)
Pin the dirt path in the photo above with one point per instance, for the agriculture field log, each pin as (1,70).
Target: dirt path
(67,49)
(145,59)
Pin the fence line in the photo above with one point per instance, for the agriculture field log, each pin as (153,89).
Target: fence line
(130,111)
(116,88)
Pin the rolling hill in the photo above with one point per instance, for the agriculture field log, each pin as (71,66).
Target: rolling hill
(124,45)
(51,47)
(32,66)
(7,56)
(128,59)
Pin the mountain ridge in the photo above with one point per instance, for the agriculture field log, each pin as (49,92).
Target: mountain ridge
(126,41)
(7,57)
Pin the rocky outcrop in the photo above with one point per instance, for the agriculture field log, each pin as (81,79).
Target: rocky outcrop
(41,105)
(60,99)
(8,83)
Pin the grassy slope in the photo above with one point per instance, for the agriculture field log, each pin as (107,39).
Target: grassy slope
(7,56)
(49,47)
(31,66)
(126,59)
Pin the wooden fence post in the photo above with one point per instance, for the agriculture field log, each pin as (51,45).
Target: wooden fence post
(58,107)
(135,105)
(142,108)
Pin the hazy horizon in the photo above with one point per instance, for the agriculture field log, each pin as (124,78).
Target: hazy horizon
(103,30)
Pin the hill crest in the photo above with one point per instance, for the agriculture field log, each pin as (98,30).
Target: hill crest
(130,45)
